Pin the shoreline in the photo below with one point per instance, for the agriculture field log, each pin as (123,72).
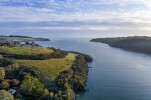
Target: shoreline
(67,84)
(140,44)
(77,78)
(12,38)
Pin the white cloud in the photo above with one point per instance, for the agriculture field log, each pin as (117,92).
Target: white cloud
(136,13)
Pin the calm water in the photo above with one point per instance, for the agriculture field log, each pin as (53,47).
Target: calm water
(115,74)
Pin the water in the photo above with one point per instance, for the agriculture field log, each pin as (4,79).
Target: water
(115,74)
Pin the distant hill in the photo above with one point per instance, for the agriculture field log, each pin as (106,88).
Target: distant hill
(13,38)
(135,43)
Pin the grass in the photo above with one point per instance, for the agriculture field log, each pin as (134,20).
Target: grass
(25,50)
(49,69)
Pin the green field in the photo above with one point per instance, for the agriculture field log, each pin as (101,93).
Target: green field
(25,50)
(49,69)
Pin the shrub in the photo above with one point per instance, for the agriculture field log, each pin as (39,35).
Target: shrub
(51,94)
(7,44)
(46,94)
(4,85)
(5,62)
(32,86)
(2,73)
(1,57)
(4,95)
(24,71)
(12,67)
(18,95)
(11,71)
(14,82)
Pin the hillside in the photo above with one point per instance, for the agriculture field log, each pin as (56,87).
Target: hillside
(45,73)
(49,68)
(135,43)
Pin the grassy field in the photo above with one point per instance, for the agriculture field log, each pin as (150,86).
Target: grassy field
(49,69)
(25,50)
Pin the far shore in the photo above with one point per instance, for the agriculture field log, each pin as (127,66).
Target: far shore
(12,38)
(134,43)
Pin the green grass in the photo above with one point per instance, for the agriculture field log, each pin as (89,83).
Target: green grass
(49,69)
(25,50)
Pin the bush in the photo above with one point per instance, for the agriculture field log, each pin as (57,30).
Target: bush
(2,73)
(51,94)
(46,94)
(5,62)
(19,72)
(11,71)
(12,67)
(7,44)
(1,57)
(32,86)
(26,71)
(4,95)
(14,82)
(4,85)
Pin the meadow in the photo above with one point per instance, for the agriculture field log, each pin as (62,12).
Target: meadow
(25,50)
(49,69)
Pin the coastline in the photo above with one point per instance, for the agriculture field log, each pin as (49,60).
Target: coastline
(73,81)
(12,38)
(139,44)
(70,82)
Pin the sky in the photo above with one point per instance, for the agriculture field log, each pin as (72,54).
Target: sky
(75,18)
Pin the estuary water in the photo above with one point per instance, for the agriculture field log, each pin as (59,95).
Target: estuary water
(115,74)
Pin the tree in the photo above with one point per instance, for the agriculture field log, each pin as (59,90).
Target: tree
(2,73)
(1,57)
(4,95)
(32,86)
(5,62)
(4,85)
(16,43)
(27,43)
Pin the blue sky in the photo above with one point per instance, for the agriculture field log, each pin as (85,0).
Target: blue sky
(75,18)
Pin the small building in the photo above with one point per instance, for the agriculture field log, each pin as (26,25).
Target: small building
(12,91)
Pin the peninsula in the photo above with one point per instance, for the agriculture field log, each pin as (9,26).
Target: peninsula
(12,38)
(31,72)
(134,43)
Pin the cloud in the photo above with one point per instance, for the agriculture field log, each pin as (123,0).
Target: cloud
(100,15)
